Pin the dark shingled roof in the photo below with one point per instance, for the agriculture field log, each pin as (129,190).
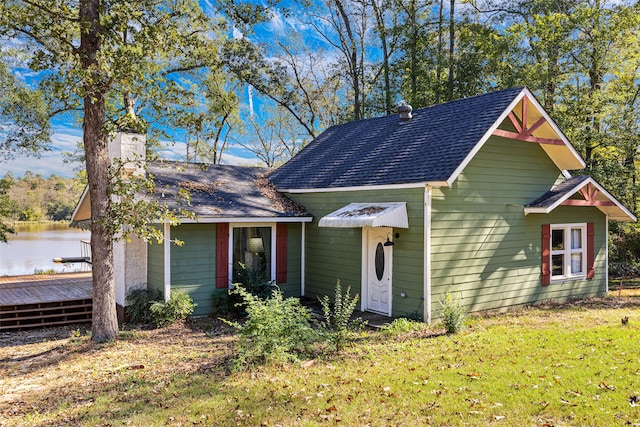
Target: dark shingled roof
(384,150)
(557,192)
(221,190)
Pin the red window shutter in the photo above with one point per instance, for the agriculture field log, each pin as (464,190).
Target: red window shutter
(546,254)
(222,256)
(281,253)
(590,250)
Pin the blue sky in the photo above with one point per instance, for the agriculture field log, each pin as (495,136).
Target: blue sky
(67,132)
(66,138)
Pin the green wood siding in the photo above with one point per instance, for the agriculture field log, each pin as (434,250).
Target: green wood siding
(336,253)
(155,266)
(292,288)
(193,265)
(486,249)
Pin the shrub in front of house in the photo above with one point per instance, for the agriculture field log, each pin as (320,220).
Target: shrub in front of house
(277,330)
(337,323)
(453,313)
(145,306)
(179,307)
(226,302)
(138,302)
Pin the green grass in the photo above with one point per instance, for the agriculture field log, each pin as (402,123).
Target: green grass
(571,366)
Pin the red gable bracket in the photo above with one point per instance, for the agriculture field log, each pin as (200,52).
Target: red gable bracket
(560,195)
(589,192)
(524,133)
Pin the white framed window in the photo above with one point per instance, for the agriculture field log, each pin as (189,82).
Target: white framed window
(568,251)
(252,249)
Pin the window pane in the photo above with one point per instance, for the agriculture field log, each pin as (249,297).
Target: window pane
(576,263)
(251,253)
(379,261)
(557,263)
(576,238)
(557,240)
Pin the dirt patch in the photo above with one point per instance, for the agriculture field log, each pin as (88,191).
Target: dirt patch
(43,366)
(624,299)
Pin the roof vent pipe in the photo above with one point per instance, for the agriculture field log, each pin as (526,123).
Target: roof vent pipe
(404,110)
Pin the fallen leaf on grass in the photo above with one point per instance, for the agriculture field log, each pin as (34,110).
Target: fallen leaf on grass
(634,400)
(605,386)
(474,376)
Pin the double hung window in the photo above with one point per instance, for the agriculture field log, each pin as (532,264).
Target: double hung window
(568,251)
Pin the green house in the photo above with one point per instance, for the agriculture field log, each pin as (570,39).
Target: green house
(240,223)
(472,197)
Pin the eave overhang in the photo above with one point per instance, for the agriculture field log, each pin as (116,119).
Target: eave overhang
(82,211)
(531,124)
(580,191)
(355,215)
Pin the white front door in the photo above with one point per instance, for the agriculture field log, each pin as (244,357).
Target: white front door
(377,268)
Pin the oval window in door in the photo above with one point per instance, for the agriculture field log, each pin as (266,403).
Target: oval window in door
(379,261)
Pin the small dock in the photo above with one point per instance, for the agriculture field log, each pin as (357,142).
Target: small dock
(45,300)
(85,250)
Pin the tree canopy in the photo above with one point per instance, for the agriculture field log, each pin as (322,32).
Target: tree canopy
(170,67)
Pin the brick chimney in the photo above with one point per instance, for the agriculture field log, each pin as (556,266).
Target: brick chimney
(130,148)
(129,257)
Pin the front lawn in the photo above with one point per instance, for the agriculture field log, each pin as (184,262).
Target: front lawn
(574,364)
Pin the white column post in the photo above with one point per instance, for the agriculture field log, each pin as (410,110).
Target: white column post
(606,256)
(427,254)
(302,259)
(167,261)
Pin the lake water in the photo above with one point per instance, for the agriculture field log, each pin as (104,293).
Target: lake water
(34,246)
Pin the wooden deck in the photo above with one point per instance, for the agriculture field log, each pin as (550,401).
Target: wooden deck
(45,300)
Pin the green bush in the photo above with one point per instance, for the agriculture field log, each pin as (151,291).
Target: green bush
(138,302)
(277,330)
(221,303)
(147,307)
(337,323)
(255,282)
(453,313)
(624,250)
(179,307)
(403,325)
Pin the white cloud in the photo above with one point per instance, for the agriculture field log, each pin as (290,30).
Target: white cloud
(23,74)
(237,34)
(177,151)
(277,23)
(50,162)
(66,140)
(230,159)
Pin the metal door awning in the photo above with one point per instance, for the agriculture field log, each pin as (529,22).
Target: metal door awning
(368,215)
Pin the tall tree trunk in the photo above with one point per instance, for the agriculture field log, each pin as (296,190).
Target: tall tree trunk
(105,322)
(352,56)
(382,32)
(452,41)
(440,49)
(414,53)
